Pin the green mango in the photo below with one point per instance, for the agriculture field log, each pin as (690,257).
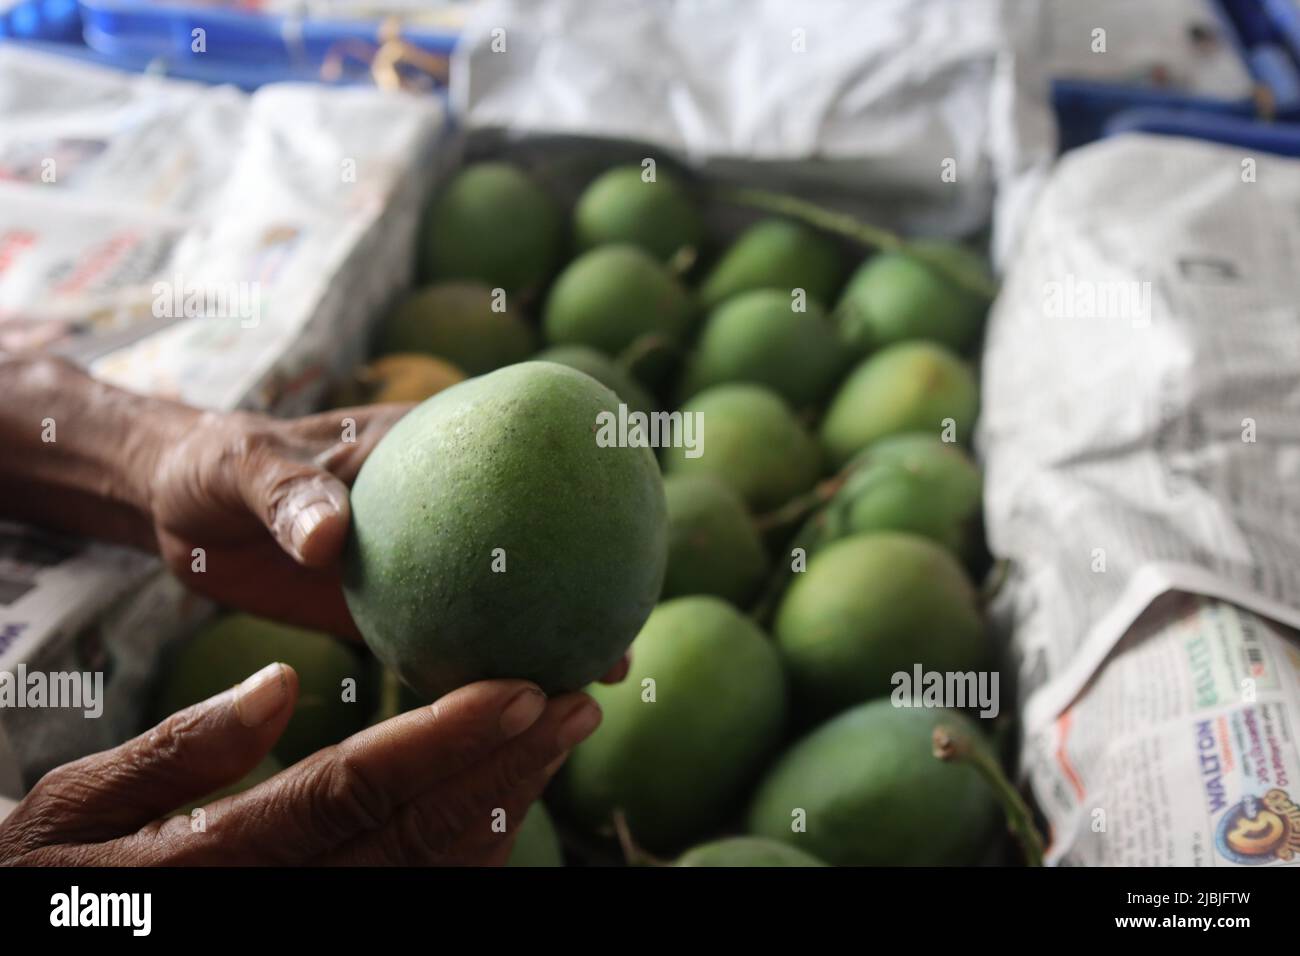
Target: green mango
(713,544)
(685,733)
(537,844)
(621,207)
(236,646)
(912,386)
(898,297)
(612,296)
(870,606)
(457,322)
(753,442)
(910,482)
(870,792)
(758,337)
(604,370)
(776,254)
(493,537)
(492,224)
(746,851)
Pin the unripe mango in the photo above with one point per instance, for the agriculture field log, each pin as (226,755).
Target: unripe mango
(897,297)
(701,709)
(613,295)
(872,793)
(746,851)
(604,370)
(537,843)
(234,646)
(713,544)
(493,537)
(776,254)
(753,442)
(911,482)
(870,606)
(758,337)
(621,206)
(494,225)
(463,323)
(912,386)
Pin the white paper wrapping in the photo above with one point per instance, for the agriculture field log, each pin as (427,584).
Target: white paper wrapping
(307,197)
(1140,434)
(859,101)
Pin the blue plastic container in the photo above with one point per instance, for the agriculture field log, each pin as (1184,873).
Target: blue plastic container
(248,49)
(1266,36)
(1280,138)
(49,20)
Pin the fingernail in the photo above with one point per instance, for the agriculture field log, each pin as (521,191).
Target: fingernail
(578,726)
(306,521)
(522,711)
(260,697)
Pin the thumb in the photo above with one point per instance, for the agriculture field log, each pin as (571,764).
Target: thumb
(303,506)
(188,756)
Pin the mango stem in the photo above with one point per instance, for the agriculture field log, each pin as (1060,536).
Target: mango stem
(633,854)
(950,745)
(842,224)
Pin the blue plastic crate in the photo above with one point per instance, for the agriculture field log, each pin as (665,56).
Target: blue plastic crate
(245,76)
(49,20)
(1282,139)
(239,46)
(1266,37)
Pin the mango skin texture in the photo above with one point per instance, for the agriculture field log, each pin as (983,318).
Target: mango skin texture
(492,224)
(677,765)
(870,606)
(619,206)
(776,254)
(456,321)
(612,296)
(746,851)
(491,537)
(752,442)
(909,387)
(875,795)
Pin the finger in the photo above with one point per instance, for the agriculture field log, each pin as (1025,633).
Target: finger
(189,755)
(257,571)
(357,785)
(349,445)
(618,671)
(437,826)
(303,506)
(487,845)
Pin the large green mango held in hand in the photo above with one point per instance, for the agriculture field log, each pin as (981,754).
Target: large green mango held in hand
(493,537)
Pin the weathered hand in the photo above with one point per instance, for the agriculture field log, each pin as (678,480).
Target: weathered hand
(446,784)
(265,502)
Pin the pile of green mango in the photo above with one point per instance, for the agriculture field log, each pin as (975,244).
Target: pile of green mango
(822,536)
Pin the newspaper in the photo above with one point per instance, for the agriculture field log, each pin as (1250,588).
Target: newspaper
(885,109)
(123,200)
(1140,433)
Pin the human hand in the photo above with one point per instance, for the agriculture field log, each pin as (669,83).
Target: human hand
(423,788)
(266,501)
